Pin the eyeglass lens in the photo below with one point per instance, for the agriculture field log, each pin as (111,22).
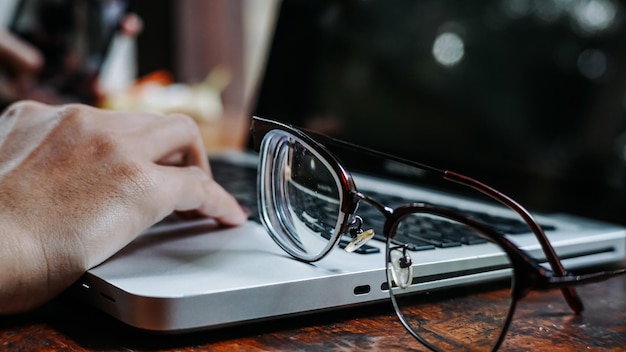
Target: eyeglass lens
(300,197)
(458,320)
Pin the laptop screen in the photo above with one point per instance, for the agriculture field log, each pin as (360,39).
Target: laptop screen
(528,96)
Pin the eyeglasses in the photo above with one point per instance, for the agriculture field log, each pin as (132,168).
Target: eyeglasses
(308,202)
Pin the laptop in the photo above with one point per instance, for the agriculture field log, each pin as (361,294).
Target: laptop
(530,100)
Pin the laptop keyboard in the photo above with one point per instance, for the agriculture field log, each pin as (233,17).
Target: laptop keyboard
(240,181)
(428,233)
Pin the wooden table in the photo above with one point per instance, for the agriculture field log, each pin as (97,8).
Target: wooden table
(541,322)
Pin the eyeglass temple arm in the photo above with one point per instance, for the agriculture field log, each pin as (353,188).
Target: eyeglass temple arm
(570,295)
(326,140)
(573,279)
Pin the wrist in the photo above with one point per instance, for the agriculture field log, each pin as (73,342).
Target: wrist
(33,271)
(20,275)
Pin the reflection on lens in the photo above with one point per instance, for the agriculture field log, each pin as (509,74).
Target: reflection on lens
(471,315)
(300,197)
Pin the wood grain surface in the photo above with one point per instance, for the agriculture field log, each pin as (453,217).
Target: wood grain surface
(542,322)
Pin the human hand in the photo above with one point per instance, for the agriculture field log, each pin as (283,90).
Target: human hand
(78,183)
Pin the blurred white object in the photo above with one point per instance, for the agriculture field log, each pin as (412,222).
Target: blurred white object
(119,69)
(7,7)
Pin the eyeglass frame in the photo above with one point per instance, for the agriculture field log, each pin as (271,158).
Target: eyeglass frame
(528,274)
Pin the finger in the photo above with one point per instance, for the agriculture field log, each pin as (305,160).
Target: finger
(22,61)
(17,54)
(190,188)
(131,25)
(175,137)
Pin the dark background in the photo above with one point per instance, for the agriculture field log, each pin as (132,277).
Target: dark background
(517,111)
